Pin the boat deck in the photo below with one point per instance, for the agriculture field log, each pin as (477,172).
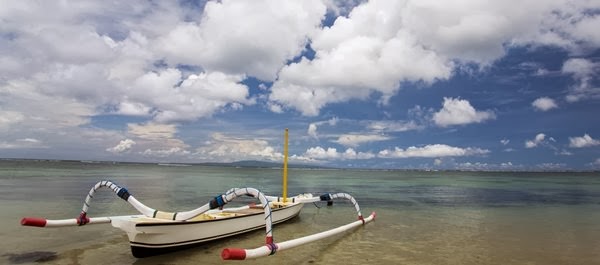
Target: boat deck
(219,214)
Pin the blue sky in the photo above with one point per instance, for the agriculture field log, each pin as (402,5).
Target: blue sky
(471,85)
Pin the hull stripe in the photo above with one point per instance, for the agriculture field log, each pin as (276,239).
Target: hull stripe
(200,240)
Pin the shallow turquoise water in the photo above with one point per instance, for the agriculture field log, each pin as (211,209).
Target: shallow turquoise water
(423,217)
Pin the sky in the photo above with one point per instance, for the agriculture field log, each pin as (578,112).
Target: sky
(413,84)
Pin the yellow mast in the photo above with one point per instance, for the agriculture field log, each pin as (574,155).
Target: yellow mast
(285,165)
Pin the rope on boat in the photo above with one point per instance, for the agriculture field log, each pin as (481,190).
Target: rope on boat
(327,197)
(237,192)
(121,192)
(216,202)
(82,219)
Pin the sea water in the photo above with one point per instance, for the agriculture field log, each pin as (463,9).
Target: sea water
(422,217)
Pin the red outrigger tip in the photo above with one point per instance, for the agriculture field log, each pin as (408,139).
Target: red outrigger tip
(33,221)
(233,254)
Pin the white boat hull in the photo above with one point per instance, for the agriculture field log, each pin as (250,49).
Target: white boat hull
(150,236)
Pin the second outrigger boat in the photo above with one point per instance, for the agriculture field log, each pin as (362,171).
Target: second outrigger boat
(155,232)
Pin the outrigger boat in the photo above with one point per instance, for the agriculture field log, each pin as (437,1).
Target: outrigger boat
(155,232)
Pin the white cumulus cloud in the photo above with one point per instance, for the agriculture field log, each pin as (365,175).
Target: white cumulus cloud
(544,104)
(320,153)
(432,151)
(456,111)
(539,139)
(227,148)
(353,60)
(583,141)
(240,37)
(122,146)
(312,130)
(174,98)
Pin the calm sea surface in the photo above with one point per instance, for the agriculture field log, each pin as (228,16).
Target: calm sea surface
(422,217)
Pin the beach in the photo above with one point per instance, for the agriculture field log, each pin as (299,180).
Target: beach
(422,217)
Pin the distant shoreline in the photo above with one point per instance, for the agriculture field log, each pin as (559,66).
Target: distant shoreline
(244,163)
(275,165)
